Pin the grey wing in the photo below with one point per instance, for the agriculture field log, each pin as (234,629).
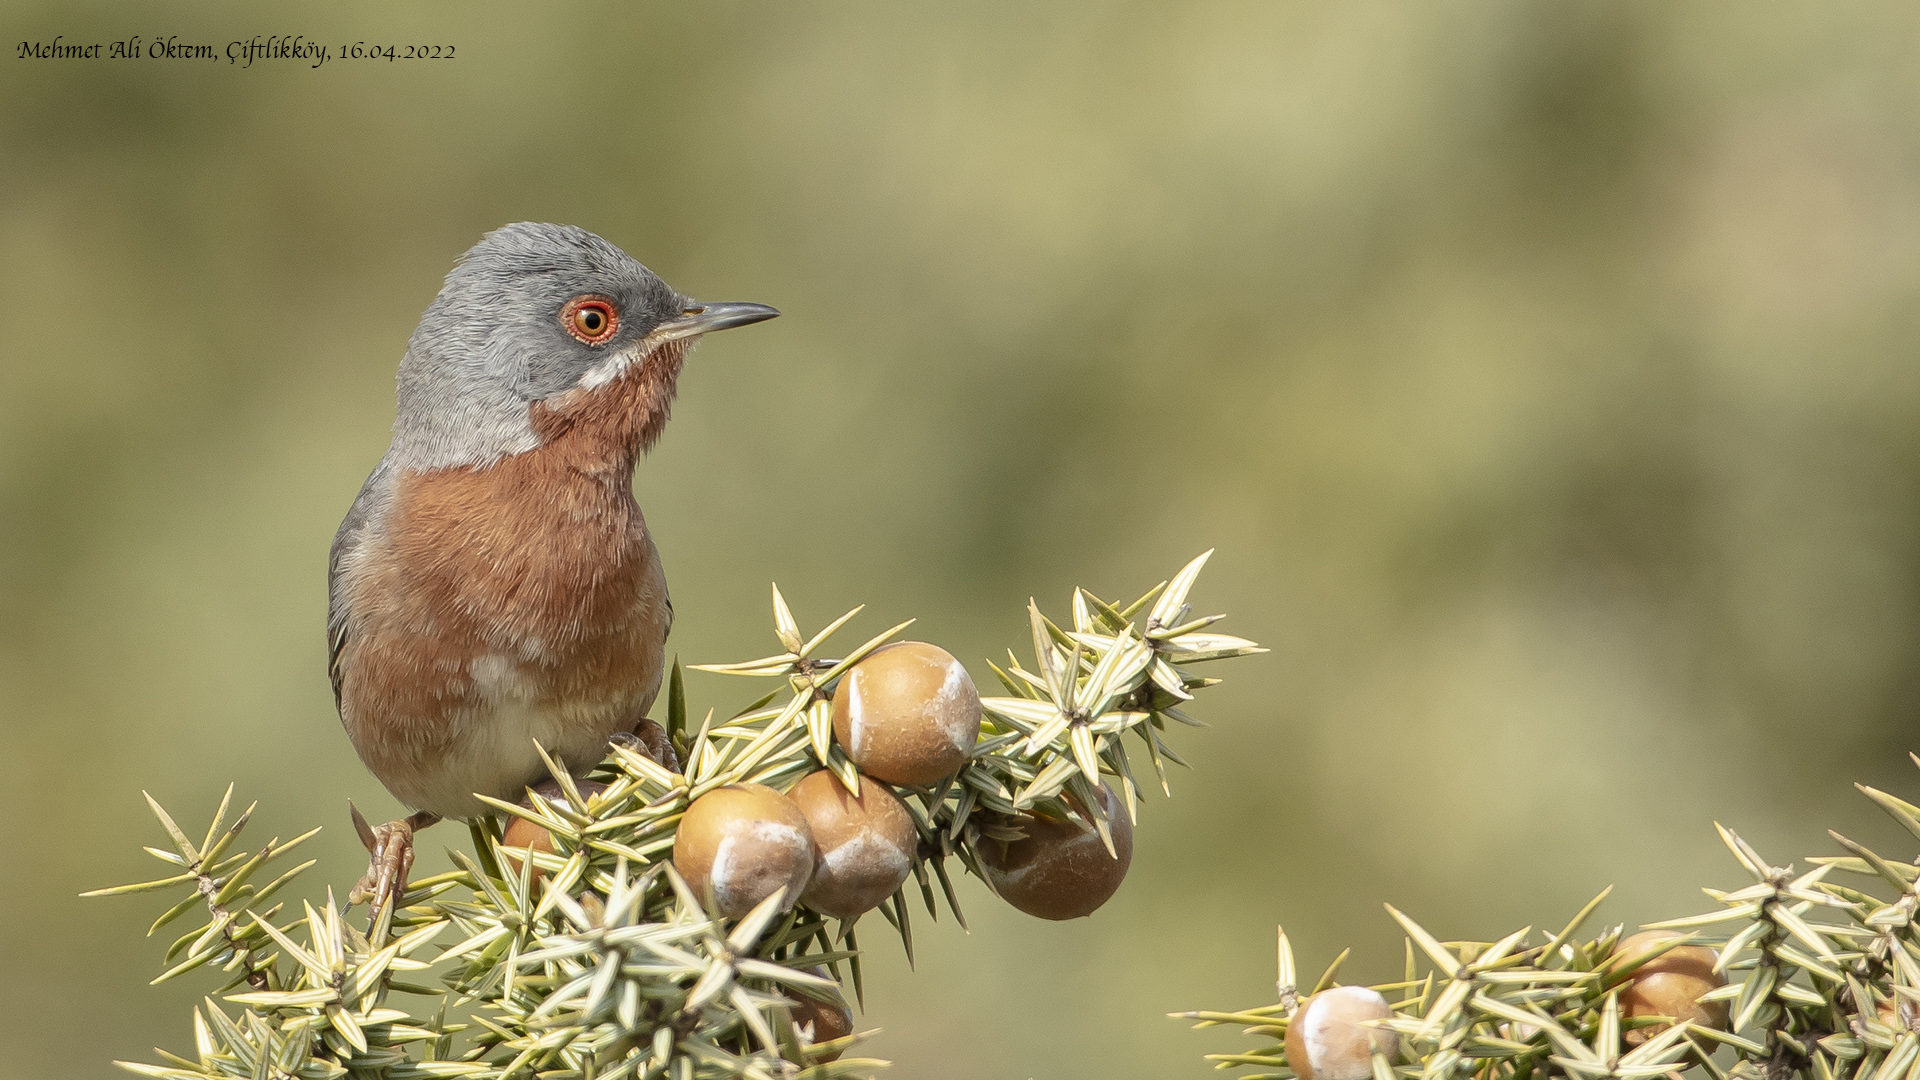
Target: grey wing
(367,507)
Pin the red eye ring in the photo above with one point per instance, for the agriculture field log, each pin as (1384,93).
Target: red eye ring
(592,319)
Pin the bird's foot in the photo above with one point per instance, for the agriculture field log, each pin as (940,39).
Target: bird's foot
(391,848)
(650,739)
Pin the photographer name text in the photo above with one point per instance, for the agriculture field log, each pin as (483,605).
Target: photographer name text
(245,53)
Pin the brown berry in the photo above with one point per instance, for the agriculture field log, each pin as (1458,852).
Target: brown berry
(1669,984)
(740,843)
(1327,1038)
(863,846)
(1061,869)
(1691,959)
(819,1022)
(521,833)
(907,714)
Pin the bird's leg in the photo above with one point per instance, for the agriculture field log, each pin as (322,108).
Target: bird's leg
(391,848)
(650,739)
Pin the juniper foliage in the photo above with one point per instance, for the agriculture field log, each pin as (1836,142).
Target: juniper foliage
(596,961)
(1822,983)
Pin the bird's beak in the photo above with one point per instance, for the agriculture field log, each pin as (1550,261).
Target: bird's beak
(700,319)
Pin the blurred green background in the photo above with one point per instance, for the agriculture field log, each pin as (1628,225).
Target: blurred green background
(1543,372)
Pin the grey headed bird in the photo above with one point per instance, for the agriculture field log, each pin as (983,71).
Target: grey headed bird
(494,584)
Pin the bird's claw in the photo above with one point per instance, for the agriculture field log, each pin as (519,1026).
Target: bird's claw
(649,738)
(391,848)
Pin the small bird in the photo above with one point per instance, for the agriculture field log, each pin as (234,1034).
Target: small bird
(494,583)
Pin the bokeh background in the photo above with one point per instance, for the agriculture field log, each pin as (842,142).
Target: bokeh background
(1543,372)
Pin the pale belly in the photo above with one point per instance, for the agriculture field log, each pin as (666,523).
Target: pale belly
(492,748)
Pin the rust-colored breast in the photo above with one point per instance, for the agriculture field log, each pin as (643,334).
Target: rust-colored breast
(494,605)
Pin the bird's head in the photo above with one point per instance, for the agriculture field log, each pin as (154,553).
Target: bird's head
(536,325)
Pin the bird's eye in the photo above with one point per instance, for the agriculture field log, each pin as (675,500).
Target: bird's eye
(592,319)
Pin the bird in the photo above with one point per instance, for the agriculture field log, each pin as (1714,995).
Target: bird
(494,585)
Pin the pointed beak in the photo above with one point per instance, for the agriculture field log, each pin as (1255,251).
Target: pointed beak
(700,319)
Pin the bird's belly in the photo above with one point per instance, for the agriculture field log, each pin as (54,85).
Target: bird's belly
(492,745)
(436,722)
